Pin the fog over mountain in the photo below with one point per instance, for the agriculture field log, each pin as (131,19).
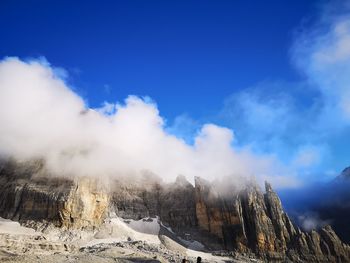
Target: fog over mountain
(43,118)
(287,133)
(315,205)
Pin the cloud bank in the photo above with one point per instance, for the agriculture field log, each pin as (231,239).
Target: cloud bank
(42,117)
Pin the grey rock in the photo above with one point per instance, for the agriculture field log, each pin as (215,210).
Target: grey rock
(246,221)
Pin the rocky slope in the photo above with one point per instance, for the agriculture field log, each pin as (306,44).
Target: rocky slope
(241,220)
(114,241)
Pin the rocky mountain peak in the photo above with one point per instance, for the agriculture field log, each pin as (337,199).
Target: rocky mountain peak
(244,221)
(181,181)
(345,174)
(268,187)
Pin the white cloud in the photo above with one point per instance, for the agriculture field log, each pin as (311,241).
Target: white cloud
(307,123)
(323,54)
(335,46)
(41,117)
(308,156)
(311,221)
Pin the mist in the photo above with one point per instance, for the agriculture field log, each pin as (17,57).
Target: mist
(315,205)
(43,118)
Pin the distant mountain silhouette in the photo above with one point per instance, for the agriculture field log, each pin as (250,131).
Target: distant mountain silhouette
(334,204)
(345,174)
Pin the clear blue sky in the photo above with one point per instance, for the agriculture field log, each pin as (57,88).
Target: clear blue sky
(187,55)
(234,63)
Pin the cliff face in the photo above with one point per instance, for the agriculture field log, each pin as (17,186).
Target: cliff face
(242,220)
(174,203)
(86,205)
(27,192)
(222,217)
(251,220)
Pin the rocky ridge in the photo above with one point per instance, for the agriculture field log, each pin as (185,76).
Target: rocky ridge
(241,220)
(251,220)
(345,174)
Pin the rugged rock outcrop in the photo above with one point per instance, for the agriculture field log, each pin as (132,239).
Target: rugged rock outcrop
(327,202)
(244,220)
(262,226)
(28,192)
(222,217)
(174,203)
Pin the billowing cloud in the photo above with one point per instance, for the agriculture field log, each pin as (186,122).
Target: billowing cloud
(41,117)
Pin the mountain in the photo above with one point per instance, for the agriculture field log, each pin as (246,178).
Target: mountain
(334,203)
(321,203)
(344,175)
(217,215)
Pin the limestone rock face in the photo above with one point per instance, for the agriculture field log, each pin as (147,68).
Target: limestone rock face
(243,219)
(174,203)
(28,192)
(177,205)
(85,206)
(221,217)
(250,220)
(135,200)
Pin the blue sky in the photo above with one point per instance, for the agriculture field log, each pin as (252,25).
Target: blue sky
(169,50)
(274,72)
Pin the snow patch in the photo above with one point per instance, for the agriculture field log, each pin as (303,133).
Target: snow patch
(145,225)
(10,227)
(116,230)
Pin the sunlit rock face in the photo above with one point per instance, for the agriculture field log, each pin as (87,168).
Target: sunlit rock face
(28,192)
(86,205)
(245,220)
